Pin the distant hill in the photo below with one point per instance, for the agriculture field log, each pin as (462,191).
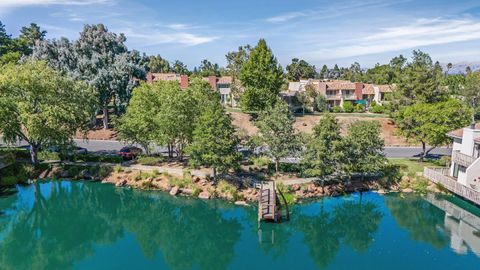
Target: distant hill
(459,68)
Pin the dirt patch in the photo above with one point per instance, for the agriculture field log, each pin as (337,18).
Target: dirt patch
(306,123)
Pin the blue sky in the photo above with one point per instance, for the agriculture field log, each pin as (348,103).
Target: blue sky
(321,32)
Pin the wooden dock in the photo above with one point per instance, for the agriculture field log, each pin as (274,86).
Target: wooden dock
(269,205)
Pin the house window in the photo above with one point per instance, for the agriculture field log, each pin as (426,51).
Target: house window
(458,168)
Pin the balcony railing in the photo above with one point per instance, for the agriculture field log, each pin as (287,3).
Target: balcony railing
(333,97)
(439,176)
(349,97)
(462,159)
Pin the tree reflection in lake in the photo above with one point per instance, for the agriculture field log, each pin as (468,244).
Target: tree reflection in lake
(350,222)
(421,219)
(60,223)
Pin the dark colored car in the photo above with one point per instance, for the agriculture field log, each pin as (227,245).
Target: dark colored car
(129,152)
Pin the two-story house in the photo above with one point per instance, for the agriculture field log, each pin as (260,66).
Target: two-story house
(463,175)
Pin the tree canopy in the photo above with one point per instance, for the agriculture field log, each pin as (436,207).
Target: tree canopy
(300,69)
(262,77)
(277,133)
(41,106)
(428,123)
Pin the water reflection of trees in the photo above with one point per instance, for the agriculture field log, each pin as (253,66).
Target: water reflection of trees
(353,223)
(420,218)
(67,220)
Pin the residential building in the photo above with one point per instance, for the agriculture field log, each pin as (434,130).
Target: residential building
(182,79)
(337,92)
(463,175)
(221,84)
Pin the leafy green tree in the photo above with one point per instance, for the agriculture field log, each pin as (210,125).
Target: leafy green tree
(421,81)
(321,104)
(324,73)
(471,91)
(348,107)
(300,69)
(236,59)
(180,68)
(41,106)
(29,35)
(455,83)
(175,119)
(277,132)
(5,40)
(99,58)
(157,64)
(207,68)
(428,123)
(362,149)
(320,157)
(214,143)
(137,125)
(262,77)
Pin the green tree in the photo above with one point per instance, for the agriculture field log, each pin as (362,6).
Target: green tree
(471,91)
(324,73)
(180,68)
(320,157)
(137,125)
(29,35)
(157,64)
(277,132)
(428,123)
(262,77)
(362,149)
(207,68)
(214,143)
(41,106)
(236,59)
(421,81)
(321,104)
(300,69)
(5,40)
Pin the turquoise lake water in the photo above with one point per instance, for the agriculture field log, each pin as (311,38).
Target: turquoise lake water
(84,225)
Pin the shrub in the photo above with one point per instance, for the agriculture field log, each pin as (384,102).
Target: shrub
(104,171)
(348,107)
(8,181)
(337,109)
(118,169)
(48,155)
(260,161)
(228,188)
(420,185)
(375,108)
(444,161)
(359,108)
(287,193)
(150,161)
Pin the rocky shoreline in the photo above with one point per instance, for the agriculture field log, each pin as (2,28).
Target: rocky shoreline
(240,193)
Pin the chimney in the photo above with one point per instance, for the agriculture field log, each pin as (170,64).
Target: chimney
(184,81)
(212,80)
(149,77)
(358,90)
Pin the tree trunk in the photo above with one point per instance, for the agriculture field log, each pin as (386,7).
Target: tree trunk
(276,165)
(34,154)
(105,117)
(424,151)
(214,174)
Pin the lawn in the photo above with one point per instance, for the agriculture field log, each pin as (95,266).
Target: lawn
(413,166)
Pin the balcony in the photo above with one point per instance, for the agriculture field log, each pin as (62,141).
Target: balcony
(462,159)
(440,176)
(349,97)
(334,97)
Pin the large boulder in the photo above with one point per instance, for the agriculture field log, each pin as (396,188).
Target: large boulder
(174,191)
(407,190)
(121,183)
(205,195)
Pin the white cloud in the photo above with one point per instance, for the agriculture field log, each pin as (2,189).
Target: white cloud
(6,4)
(155,38)
(422,32)
(286,17)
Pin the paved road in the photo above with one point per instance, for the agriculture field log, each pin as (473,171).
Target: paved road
(392,152)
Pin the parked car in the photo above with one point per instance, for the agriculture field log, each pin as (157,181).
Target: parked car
(129,152)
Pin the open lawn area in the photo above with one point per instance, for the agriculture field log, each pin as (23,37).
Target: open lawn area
(412,166)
